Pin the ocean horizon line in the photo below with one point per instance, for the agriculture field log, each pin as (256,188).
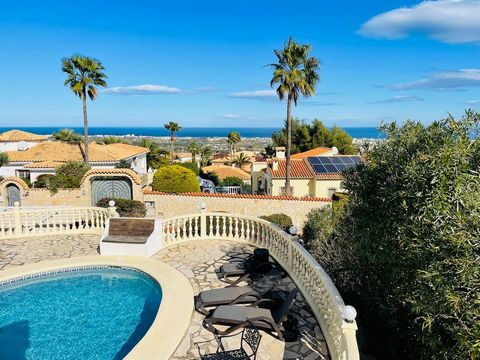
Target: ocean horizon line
(186,132)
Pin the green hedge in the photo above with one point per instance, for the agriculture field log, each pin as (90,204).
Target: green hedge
(125,207)
(192,165)
(283,221)
(175,179)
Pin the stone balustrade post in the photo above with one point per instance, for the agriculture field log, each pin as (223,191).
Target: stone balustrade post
(349,340)
(17,219)
(203,220)
(112,209)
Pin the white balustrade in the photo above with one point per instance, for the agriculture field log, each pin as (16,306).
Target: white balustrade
(19,222)
(314,283)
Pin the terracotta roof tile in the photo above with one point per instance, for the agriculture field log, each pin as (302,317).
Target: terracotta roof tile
(19,135)
(224,171)
(55,151)
(298,169)
(43,165)
(240,196)
(313,152)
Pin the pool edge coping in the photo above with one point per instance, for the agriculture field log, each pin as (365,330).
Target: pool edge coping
(176,307)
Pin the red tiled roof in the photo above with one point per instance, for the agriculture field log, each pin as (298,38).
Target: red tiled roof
(313,152)
(330,176)
(298,169)
(240,196)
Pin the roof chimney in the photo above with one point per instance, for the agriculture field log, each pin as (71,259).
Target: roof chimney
(280,152)
(275,164)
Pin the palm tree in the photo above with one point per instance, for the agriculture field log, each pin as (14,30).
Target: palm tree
(296,74)
(173,127)
(84,74)
(67,136)
(233,138)
(241,160)
(206,154)
(156,157)
(194,149)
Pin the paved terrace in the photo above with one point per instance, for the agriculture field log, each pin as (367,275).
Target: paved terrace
(198,262)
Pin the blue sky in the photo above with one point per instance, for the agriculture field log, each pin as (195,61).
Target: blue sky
(201,63)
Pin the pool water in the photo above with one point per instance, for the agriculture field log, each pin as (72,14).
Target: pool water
(98,313)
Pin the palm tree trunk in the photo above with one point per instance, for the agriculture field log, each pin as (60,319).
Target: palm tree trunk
(85,129)
(171,146)
(288,189)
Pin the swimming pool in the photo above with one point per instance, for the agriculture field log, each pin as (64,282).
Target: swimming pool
(94,312)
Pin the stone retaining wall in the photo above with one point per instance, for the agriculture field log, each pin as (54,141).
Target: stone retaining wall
(170,205)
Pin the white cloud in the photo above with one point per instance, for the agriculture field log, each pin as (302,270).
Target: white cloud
(450,21)
(146,89)
(473,102)
(454,79)
(230,116)
(398,99)
(256,94)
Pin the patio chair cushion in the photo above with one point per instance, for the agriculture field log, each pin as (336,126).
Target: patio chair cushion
(232,315)
(226,295)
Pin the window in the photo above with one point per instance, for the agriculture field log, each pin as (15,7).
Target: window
(24,174)
(331,191)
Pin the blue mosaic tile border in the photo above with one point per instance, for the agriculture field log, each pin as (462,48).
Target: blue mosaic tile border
(67,270)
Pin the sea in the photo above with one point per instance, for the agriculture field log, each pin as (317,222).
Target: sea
(193,132)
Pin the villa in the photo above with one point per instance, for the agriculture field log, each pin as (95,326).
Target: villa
(14,140)
(224,171)
(314,173)
(34,156)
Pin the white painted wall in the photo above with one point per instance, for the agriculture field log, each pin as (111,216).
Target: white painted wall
(139,164)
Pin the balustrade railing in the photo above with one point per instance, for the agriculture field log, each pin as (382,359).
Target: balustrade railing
(316,286)
(19,222)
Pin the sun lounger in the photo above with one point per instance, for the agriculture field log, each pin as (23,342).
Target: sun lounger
(257,262)
(236,316)
(233,294)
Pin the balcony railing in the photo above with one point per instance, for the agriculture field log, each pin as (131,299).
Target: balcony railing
(18,222)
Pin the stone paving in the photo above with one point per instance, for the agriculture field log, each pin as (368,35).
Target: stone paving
(197,261)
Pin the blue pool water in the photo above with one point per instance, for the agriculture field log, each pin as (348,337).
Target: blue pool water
(98,313)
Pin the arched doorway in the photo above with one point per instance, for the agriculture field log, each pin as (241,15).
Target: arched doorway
(118,187)
(13,194)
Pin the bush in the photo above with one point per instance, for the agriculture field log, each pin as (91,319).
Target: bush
(232,181)
(408,248)
(175,179)
(43,181)
(125,207)
(281,220)
(192,165)
(68,175)
(339,200)
(124,164)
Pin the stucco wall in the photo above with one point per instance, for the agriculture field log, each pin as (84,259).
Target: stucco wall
(166,205)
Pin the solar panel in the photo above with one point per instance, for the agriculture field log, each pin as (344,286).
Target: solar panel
(333,164)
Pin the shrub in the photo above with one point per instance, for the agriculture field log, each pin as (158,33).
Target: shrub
(125,207)
(232,181)
(192,165)
(124,164)
(68,175)
(175,179)
(339,200)
(43,181)
(411,227)
(281,220)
